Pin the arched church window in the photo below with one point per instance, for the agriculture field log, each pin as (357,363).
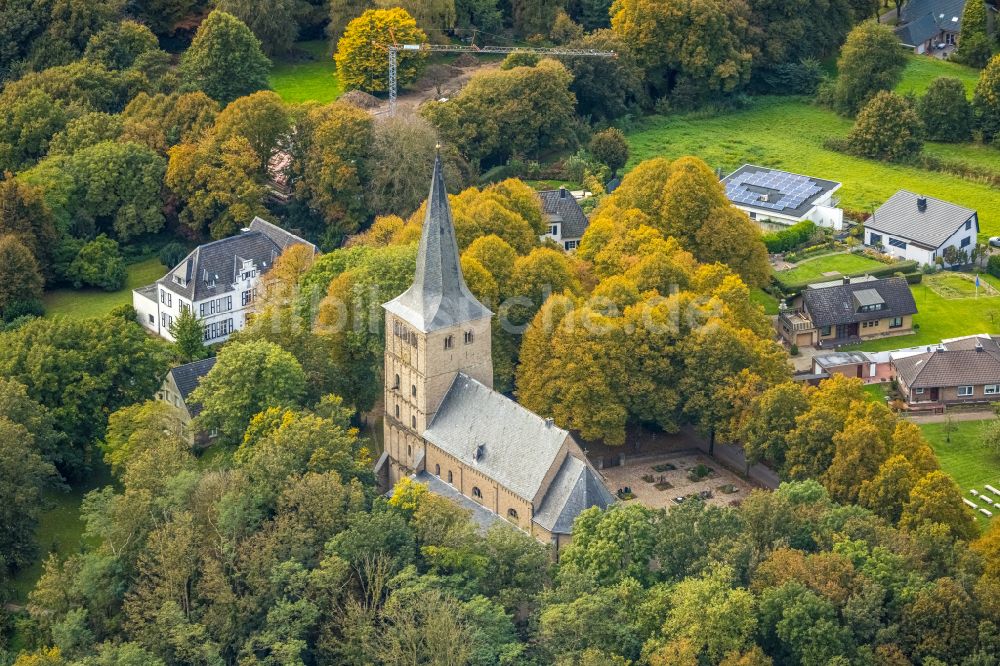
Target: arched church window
(395,385)
(437,470)
(476,492)
(449,476)
(413,422)
(512,514)
(469,337)
(449,342)
(397,411)
(413,390)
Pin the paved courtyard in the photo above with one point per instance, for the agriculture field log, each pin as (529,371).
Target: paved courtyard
(632,472)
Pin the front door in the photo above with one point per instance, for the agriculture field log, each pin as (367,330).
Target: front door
(861,371)
(934,395)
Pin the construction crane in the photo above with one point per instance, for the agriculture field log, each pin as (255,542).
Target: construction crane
(394,49)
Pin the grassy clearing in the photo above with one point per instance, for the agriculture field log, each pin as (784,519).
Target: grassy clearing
(876,392)
(946,317)
(788,133)
(770,303)
(829,266)
(921,70)
(311,77)
(60,529)
(971,464)
(84,303)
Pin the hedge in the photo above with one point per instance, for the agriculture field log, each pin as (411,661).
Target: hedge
(993,265)
(904,267)
(792,237)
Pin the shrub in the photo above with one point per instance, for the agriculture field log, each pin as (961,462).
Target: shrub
(172,254)
(792,78)
(993,265)
(792,237)
(945,111)
(887,128)
(98,264)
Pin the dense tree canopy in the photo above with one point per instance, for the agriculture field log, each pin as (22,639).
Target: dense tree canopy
(887,128)
(869,62)
(986,100)
(225,60)
(974,40)
(945,111)
(362,59)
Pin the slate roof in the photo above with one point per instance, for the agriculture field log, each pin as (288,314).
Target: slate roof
(519,447)
(947,14)
(900,217)
(791,194)
(972,361)
(917,32)
(438,297)
(574,488)
(188,376)
(563,207)
(210,269)
(835,305)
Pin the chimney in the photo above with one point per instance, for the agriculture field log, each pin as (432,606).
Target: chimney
(548,422)
(922,204)
(979,346)
(847,279)
(562,192)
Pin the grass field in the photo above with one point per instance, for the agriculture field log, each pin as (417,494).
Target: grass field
(970,463)
(769,302)
(817,268)
(60,529)
(83,303)
(921,70)
(299,80)
(954,314)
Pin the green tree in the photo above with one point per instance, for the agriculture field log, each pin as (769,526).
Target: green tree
(593,14)
(163,15)
(69,25)
(23,214)
(219,185)
(246,379)
(161,121)
(771,416)
(613,545)
(610,148)
(939,622)
(691,51)
(871,61)
(261,118)
(189,335)
(521,111)
(98,264)
(27,125)
(120,44)
(937,499)
(974,47)
(605,88)
(482,14)
(23,476)
(85,131)
(20,279)
(224,61)
(343,12)
(887,128)
(139,428)
(268,19)
(945,111)
(986,100)
(362,60)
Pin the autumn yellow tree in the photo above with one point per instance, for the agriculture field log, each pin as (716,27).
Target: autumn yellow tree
(362,57)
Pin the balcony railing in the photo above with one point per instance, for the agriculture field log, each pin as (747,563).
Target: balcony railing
(796,320)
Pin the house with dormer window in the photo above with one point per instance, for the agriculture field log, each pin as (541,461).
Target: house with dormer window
(847,311)
(218,281)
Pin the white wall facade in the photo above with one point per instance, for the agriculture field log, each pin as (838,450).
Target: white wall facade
(826,216)
(963,239)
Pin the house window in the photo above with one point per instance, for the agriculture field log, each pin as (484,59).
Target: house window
(991,389)
(571,245)
(895,242)
(397,411)
(918,391)
(964,391)
(476,492)
(152,319)
(395,385)
(469,337)
(875,239)
(968,224)
(512,514)
(449,476)
(966,241)
(871,323)
(826,331)
(246,298)
(409,450)
(449,342)
(413,422)
(753,215)
(896,322)
(437,470)
(553,229)
(218,329)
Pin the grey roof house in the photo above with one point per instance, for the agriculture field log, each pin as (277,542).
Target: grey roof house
(178,385)
(567,221)
(921,228)
(927,26)
(956,371)
(218,281)
(774,197)
(855,309)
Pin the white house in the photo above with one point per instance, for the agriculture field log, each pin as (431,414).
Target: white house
(779,198)
(218,281)
(566,220)
(917,227)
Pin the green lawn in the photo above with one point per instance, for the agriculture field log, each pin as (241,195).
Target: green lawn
(970,463)
(770,303)
(60,529)
(300,79)
(842,264)
(954,314)
(788,133)
(83,303)
(921,70)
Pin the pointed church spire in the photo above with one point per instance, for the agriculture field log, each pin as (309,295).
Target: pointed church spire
(438,296)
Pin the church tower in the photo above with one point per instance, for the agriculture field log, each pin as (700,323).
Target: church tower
(433,331)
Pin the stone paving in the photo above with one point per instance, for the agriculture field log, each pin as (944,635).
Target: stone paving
(630,474)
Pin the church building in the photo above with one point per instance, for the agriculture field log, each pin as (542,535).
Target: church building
(446,427)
